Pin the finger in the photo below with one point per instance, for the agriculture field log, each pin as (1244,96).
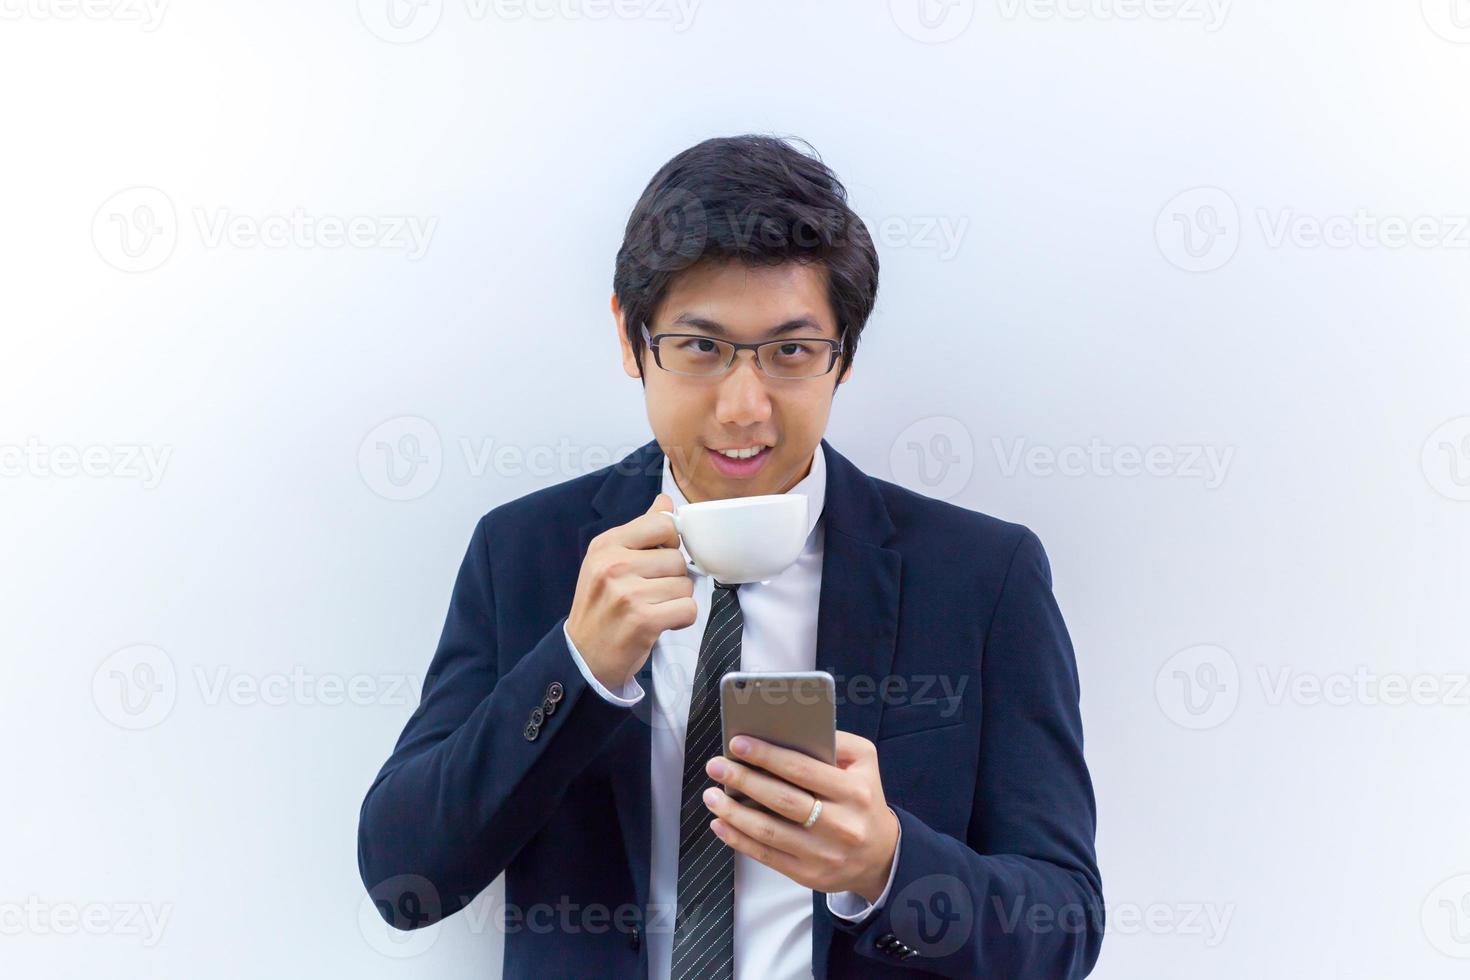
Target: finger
(827,782)
(654,563)
(791,802)
(673,614)
(654,529)
(771,833)
(664,588)
(790,866)
(853,748)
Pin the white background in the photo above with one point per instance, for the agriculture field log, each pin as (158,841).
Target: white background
(1130,194)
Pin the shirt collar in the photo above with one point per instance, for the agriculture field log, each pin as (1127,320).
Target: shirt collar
(814,485)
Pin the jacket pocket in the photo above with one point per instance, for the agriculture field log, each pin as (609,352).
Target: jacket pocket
(920,716)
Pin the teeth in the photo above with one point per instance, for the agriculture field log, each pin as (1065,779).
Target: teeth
(740,453)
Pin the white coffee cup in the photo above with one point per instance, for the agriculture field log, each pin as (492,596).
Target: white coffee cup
(743,539)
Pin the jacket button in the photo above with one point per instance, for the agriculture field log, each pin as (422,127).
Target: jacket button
(554,692)
(537,716)
(531,731)
(635,940)
(548,707)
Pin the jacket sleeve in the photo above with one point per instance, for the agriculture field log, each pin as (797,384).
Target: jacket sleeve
(469,783)
(1021,896)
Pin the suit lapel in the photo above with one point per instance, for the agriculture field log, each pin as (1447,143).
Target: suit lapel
(857,627)
(627,492)
(857,620)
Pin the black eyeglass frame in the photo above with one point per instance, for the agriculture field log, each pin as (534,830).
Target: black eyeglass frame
(837,346)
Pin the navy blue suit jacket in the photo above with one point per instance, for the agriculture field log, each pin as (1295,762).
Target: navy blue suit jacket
(997,875)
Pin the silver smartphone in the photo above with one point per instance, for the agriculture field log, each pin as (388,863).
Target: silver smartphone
(794,709)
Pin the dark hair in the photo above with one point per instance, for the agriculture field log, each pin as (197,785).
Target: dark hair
(754,199)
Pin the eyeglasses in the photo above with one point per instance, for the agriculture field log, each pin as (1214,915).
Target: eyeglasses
(699,356)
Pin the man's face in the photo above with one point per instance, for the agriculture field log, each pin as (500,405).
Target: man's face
(693,416)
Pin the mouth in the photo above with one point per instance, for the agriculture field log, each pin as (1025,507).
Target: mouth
(736,468)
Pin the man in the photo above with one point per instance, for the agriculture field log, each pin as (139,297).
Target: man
(570,737)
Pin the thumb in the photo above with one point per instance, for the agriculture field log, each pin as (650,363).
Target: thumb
(662,502)
(853,749)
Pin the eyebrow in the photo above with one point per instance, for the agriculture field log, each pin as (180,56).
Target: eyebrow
(710,326)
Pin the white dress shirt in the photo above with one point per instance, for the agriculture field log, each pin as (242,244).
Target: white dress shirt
(773,914)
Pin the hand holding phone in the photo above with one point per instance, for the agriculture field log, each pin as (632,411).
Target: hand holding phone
(793,709)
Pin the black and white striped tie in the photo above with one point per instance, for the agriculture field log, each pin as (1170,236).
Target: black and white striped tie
(704,927)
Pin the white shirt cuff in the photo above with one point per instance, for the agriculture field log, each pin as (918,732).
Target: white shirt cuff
(852,906)
(632,691)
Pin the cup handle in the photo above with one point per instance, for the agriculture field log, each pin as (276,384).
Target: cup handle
(680,531)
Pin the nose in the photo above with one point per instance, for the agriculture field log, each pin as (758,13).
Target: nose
(743,399)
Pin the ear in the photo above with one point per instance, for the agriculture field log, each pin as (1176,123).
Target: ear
(630,363)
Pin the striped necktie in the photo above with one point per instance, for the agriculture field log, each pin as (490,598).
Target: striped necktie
(704,928)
